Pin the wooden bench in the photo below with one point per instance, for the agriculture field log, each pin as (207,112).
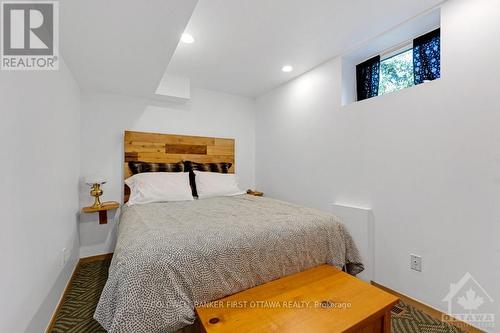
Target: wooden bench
(322,299)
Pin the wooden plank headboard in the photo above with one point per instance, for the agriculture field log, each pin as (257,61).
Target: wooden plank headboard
(172,148)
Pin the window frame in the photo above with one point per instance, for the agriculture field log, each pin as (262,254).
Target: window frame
(396,50)
(385,46)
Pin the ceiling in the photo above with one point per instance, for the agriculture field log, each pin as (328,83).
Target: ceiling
(121,46)
(125,46)
(241,45)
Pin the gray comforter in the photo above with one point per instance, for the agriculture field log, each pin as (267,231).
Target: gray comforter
(172,256)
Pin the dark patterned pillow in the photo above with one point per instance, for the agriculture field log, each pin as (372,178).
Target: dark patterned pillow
(140,167)
(222,167)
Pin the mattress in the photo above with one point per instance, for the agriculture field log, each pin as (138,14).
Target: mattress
(171,257)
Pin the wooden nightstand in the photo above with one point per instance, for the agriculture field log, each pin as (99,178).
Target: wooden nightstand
(255,193)
(103,210)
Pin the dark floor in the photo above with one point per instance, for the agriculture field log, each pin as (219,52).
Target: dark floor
(75,314)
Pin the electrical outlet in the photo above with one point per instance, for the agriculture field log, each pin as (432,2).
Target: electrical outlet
(416,262)
(63,257)
(67,254)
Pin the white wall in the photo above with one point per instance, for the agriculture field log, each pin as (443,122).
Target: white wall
(425,159)
(104,119)
(39,131)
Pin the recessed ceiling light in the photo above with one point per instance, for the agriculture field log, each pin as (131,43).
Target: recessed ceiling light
(187,38)
(287,68)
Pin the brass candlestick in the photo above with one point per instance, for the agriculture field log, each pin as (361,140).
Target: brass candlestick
(96,192)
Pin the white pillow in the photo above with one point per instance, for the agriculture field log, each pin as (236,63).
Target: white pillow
(159,187)
(214,184)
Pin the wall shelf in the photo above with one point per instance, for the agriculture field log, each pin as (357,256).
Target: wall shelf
(103,210)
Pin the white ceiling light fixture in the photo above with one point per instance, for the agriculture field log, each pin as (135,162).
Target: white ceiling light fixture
(287,68)
(187,38)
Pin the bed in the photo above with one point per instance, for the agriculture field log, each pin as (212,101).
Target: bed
(173,256)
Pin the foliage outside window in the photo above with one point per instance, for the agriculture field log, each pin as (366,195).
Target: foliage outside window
(396,72)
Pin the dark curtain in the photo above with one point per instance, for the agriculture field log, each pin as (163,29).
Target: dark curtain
(367,78)
(427,57)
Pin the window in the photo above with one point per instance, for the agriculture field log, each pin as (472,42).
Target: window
(396,72)
(414,64)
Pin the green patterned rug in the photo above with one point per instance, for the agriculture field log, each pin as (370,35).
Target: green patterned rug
(75,315)
(406,319)
(77,311)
